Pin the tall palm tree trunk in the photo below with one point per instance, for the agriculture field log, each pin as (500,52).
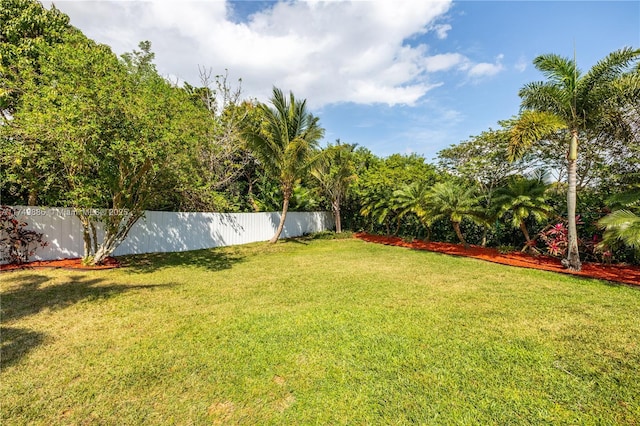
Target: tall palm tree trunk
(336,215)
(573,255)
(283,216)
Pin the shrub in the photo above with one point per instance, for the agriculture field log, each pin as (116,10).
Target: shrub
(16,242)
(330,235)
(506,249)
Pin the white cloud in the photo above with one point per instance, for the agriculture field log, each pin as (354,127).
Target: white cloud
(325,51)
(445,61)
(442,30)
(485,69)
(521,65)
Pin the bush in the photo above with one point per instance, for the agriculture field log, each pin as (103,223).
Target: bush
(16,242)
(330,235)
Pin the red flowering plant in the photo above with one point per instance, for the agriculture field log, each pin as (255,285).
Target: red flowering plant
(16,242)
(556,237)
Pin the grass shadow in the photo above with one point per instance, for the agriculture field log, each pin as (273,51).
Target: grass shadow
(16,343)
(30,297)
(213,259)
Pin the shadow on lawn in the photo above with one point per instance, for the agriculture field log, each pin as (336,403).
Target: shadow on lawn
(29,296)
(214,259)
(16,343)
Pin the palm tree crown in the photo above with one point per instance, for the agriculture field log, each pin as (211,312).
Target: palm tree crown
(524,198)
(454,202)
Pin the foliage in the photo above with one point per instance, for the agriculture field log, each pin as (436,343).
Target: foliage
(283,141)
(455,202)
(334,171)
(571,101)
(556,239)
(27,174)
(110,128)
(378,179)
(330,235)
(413,199)
(524,198)
(17,244)
(622,226)
(221,169)
(485,160)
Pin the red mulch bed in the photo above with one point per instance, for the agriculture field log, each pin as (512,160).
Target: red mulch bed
(109,263)
(619,273)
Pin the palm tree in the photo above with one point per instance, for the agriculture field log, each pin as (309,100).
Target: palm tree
(379,206)
(523,198)
(569,102)
(412,199)
(455,202)
(335,170)
(284,142)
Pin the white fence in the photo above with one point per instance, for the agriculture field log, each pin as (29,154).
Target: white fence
(169,231)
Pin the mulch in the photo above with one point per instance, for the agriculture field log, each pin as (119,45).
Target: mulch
(621,273)
(109,263)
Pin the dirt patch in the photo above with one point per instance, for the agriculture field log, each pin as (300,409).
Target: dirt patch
(109,263)
(619,273)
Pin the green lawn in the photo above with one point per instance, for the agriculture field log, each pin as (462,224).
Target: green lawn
(317,332)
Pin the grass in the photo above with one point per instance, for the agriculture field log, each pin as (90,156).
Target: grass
(317,332)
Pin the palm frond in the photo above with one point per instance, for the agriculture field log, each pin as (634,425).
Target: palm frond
(545,96)
(608,69)
(621,226)
(626,199)
(530,128)
(559,70)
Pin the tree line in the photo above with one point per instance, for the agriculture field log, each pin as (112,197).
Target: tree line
(83,128)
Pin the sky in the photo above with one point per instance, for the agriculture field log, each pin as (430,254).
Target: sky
(397,76)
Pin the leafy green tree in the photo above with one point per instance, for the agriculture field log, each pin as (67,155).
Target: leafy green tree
(112,132)
(524,198)
(26,30)
(222,171)
(377,181)
(284,143)
(568,101)
(455,202)
(335,171)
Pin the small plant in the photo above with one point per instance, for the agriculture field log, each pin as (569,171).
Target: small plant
(331,235)
(16,242)
(556,237)
(506,249)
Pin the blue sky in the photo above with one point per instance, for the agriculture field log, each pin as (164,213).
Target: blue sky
(404,76)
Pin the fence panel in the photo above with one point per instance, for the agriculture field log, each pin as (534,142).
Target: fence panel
(169,231)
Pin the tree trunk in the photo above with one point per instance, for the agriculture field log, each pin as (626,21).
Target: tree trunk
(484,236)
(527,246)
(33,197)
(456,227)
(573,255)
(427,238)
(86,236)
(336,215)
(283,216)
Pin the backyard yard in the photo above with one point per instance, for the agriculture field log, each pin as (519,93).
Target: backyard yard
(313,331)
